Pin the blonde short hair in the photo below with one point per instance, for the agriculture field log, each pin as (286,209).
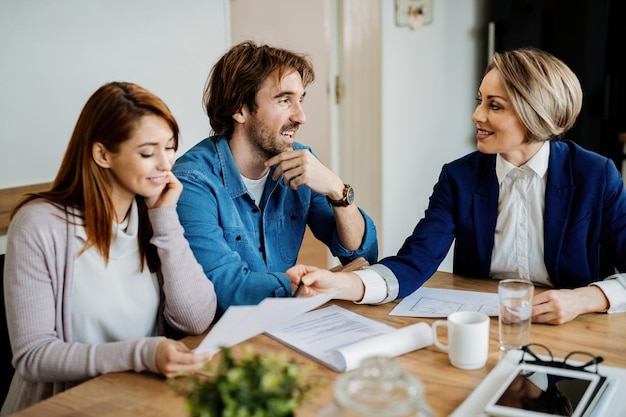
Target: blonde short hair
(545,92)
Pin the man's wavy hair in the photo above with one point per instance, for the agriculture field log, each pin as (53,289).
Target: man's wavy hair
(240,73)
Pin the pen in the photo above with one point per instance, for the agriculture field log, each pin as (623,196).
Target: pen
(298,288)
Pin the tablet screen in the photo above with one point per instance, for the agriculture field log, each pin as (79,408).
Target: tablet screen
(545,391)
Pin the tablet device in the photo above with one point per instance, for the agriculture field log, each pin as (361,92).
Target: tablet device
(545,391)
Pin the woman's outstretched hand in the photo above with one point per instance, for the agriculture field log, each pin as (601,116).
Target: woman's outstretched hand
(322,281)
(173,358)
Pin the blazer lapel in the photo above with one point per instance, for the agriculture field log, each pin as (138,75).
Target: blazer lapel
(485,211)
(558,200)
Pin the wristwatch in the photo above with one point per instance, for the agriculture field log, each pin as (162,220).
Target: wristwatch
(346,200)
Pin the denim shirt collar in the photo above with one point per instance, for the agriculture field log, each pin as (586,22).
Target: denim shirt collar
(231,175)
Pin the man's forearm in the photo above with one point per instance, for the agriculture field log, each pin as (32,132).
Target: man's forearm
(350,226)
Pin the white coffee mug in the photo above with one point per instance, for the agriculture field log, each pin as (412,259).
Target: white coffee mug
(468,339)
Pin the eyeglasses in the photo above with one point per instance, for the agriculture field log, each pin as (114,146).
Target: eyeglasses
(576,360)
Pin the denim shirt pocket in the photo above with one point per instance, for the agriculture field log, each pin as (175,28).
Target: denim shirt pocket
(246,244)
(287,232)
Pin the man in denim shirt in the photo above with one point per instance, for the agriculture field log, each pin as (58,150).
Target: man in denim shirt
(250,190)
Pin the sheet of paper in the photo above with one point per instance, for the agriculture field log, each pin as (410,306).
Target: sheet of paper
(240,323)
(341,339)
(437,302)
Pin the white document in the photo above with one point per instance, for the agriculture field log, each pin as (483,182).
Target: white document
(240,323)
(608,405)
(341,339)
(436,302)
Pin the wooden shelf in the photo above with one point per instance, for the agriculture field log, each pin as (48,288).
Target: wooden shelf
(9,197)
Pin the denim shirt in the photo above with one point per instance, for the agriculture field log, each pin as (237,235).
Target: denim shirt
(244,249)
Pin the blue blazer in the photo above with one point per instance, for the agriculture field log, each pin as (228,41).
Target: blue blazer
(585,214)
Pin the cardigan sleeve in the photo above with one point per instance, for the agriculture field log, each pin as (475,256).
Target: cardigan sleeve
(190,301)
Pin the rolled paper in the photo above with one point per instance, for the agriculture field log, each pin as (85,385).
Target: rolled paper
(395,343)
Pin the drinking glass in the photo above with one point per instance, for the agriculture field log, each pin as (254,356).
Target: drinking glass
(515,297)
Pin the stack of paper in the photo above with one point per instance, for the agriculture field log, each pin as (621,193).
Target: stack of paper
(341,339)
(240,323)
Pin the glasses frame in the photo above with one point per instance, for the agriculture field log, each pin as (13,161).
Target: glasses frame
(563,364)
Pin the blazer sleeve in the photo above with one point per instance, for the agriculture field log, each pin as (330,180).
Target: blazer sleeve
(425,249)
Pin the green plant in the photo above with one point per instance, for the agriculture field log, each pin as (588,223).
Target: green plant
(252,386)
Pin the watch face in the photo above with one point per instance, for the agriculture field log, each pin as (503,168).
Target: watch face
(350,196)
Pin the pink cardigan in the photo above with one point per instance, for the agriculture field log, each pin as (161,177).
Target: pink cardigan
(37,284)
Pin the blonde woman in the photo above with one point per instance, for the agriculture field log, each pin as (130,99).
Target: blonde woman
(526,205)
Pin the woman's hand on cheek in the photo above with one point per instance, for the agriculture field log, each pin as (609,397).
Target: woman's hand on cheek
(169,195)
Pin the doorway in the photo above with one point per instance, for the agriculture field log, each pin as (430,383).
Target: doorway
(343,105)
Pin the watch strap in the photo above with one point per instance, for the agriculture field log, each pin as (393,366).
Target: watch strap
(343,201)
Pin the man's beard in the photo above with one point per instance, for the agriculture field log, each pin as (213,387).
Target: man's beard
(263,141)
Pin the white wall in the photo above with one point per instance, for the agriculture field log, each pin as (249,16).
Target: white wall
(55,54)
(430,79)
(258,21)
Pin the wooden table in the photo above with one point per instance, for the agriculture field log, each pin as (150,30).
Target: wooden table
(137,395)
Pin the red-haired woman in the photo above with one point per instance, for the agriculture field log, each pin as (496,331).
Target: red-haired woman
(97,267)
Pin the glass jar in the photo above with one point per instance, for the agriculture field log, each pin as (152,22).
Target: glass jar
(378,388)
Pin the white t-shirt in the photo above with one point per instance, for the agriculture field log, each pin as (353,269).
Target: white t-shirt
(256,187)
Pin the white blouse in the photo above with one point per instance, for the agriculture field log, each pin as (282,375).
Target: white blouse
(114,301)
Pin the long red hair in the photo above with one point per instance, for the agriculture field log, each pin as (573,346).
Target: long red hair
(110,117)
